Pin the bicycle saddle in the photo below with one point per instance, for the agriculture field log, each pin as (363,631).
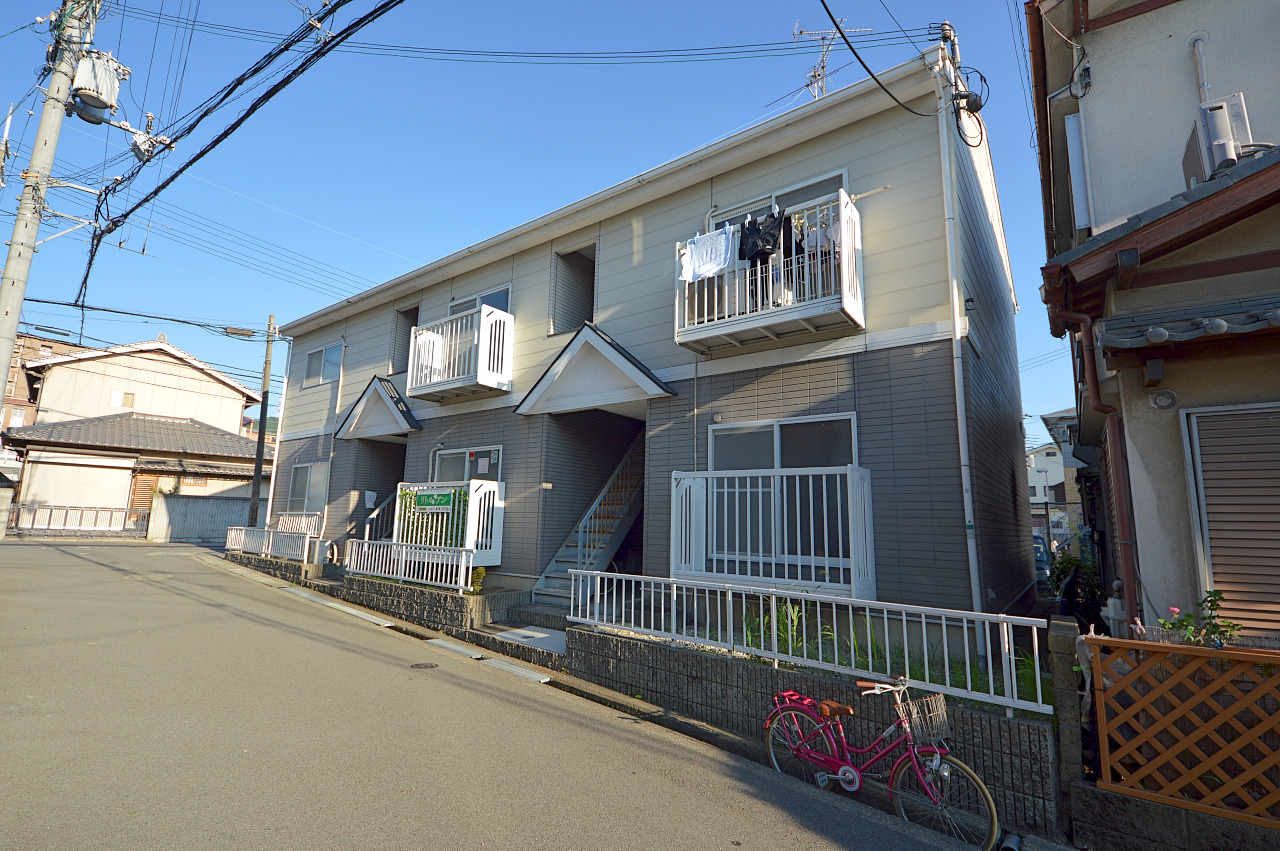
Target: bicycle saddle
(832,709)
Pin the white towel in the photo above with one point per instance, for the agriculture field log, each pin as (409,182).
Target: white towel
(705,255)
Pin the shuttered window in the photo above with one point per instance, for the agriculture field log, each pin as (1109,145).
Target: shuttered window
(1236,469)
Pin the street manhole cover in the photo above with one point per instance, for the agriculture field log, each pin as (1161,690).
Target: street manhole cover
(424,665)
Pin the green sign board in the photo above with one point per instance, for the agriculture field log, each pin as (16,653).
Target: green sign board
(442,501)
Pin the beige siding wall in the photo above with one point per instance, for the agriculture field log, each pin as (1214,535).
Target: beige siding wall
(905,266)
(1144,87)
(160,384)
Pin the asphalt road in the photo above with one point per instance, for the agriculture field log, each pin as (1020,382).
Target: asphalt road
(151,700)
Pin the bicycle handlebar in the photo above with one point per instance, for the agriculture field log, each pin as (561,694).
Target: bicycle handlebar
(880,688)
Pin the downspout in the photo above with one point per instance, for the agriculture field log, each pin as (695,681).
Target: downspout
(957,352)
(1126,542)
(275,456)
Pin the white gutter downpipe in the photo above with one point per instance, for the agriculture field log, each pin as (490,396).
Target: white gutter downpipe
(957,352)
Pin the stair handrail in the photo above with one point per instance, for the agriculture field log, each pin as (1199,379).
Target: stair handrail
(628,459)
(376,517)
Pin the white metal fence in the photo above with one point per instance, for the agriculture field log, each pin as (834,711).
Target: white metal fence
(294,546)
(779,528)
(989,658)
(475,347)
(78,520)
(444,567)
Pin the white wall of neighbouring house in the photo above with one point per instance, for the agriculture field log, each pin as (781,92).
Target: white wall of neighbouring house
(1144,96)
(159,383)
(63,478)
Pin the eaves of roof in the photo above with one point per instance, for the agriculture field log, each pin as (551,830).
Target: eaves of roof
(910,80)
(140,433)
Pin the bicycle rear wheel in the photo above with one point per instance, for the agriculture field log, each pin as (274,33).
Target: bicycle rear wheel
(965,809)
(793,735)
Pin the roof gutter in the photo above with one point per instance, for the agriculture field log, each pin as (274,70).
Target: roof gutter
(1040,98)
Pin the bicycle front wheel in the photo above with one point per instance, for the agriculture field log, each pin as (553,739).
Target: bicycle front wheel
(794,737)
(964,808)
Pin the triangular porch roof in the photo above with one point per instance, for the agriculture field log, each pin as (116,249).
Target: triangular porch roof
(381,413)
(593,371)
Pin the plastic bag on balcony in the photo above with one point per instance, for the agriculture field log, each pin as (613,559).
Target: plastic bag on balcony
(706,255)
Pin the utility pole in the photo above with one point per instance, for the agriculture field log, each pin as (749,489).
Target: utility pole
(78,19)
(262,426)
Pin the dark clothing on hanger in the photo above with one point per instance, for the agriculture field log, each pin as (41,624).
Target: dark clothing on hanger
(760,238)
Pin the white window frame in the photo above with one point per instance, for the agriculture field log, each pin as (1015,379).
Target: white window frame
(309,381)
(293,473)
(770,199)
(556,254)
(777,434)
(475,301)
(435,474)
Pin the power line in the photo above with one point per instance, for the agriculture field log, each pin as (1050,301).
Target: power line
(214,103)
(867,67)
(207,326)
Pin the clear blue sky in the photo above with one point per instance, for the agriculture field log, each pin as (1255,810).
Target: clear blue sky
(377,161)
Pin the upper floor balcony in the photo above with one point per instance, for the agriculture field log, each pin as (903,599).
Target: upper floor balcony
(811,282)
(463,355)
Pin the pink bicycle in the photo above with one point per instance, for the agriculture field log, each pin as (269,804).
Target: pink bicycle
(927,784)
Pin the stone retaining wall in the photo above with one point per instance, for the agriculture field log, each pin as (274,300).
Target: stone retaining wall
(1013,756)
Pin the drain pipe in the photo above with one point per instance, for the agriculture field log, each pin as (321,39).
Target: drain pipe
(1126,541)
(957,353)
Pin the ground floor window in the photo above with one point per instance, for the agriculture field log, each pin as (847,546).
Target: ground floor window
(460,465)
(784,444)
(309,487)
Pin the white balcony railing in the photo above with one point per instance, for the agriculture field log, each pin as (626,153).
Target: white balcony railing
(452,515)
(990,658)
(462,355)
(796,528)
(812,283)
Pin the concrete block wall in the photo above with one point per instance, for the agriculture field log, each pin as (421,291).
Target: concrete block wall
(1015,757)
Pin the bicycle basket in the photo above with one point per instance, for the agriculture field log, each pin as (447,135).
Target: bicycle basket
(927,718)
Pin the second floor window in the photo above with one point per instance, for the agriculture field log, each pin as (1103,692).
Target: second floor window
(499,298)
(121,399)
(323,365)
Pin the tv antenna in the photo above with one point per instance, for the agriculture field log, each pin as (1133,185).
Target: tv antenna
(817,84)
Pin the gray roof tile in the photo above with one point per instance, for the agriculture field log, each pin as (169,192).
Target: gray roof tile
(141,432)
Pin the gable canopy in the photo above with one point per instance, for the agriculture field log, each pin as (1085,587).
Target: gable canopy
(381,413)
(593,371)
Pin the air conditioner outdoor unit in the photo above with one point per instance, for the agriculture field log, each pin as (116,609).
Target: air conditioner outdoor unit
(1224,128)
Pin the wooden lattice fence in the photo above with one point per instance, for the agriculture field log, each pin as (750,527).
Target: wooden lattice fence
(1193,727)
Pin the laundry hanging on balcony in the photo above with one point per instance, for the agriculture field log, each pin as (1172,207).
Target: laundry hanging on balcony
(706,255)
(761,238)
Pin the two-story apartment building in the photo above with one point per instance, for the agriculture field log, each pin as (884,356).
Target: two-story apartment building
(1157,129)
(112,426)
(789,355)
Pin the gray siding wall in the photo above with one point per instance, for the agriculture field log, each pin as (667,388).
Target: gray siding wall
(993,404)
(288,454)
(522,470)
(905,401)
(582,451)
(359,466)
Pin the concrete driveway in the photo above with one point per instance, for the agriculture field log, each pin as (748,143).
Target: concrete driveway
(152,700)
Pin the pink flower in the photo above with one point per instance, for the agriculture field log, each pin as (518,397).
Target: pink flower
(1175,611)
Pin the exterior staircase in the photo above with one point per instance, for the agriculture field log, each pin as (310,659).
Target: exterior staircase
(598,535)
